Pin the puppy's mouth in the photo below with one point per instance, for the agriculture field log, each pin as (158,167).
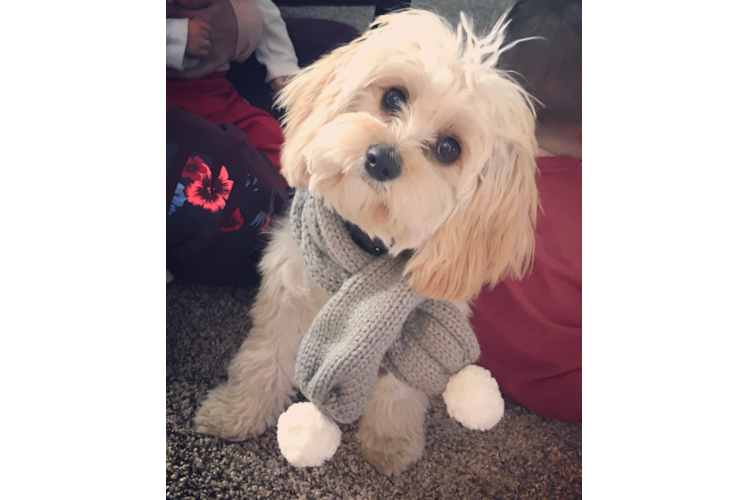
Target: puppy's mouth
(379,187)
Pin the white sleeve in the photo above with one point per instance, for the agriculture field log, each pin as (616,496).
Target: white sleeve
(176,43)
(275,49)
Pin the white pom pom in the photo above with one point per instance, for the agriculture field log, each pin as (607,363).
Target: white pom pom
(306,436)
(473,398)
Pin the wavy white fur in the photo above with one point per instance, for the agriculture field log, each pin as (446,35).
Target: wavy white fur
(469,223)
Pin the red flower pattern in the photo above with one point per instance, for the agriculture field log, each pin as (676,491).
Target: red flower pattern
(235,222)
(195,169)
(209,195)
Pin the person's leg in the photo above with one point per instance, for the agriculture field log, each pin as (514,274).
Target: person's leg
(216,100)
(311,38)
(217,242)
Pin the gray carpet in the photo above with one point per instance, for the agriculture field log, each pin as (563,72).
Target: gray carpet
(524,456)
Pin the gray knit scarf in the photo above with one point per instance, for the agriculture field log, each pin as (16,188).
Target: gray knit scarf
(372,319)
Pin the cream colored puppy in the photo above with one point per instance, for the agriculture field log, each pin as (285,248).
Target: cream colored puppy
(411,134)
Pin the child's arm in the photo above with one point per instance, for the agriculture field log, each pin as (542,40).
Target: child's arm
(220,16)
(275,49)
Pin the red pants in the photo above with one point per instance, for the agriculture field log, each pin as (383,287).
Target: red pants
(216,100)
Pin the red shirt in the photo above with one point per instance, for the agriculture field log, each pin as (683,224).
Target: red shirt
(530,331)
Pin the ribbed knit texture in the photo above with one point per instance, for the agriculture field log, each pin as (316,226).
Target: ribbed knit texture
(373,319)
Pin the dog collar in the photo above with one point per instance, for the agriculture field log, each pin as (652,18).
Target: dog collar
(375,247)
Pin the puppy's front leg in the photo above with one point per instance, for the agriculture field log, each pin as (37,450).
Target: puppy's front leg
(260,384)
(391,432)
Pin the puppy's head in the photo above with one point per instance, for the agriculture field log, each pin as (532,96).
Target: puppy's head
(412,134)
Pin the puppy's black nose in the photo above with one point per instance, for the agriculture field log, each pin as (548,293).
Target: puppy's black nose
(383,162)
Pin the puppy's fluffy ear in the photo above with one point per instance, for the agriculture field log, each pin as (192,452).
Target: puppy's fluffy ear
(491,237)
(310,101)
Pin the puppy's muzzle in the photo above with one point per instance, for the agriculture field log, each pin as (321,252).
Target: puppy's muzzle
(383,162)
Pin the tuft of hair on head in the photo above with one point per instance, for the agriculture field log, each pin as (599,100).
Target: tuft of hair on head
(543,47)
(480,51)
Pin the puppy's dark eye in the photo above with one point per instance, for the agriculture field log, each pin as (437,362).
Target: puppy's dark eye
(447,150)
(393,100)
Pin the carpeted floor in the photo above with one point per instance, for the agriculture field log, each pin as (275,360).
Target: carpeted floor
(525,456)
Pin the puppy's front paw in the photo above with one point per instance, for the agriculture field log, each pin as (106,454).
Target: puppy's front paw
(391,454)
(238,415)
(391,430)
